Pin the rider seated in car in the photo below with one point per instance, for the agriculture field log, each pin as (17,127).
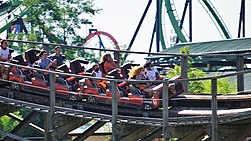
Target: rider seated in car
(109,63)
(97,73)
(152,72)
(44,62)
(58,56)
(138,73)
(5,54)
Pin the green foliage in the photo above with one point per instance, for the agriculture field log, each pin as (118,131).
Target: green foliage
(193,86)
(186,50)
(224,85)
(58,21)
(7,123)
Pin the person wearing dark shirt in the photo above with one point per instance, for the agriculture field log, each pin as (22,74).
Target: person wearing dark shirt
(57,56)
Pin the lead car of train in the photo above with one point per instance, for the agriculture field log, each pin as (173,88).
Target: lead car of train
(79,89)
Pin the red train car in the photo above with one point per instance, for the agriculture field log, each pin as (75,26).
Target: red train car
(86,89)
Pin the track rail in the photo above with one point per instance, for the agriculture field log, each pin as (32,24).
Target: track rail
(9,6)
(217,18)
(181,34)
(7,22)
(83,110)
(174,21)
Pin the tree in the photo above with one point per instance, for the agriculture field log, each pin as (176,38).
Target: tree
(224,85)
(58,21)
(7,123)
(54,21)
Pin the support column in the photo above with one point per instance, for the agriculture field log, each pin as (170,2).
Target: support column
(209,67)
(240,77)
(114,112)
(214,107)
(190,21)
(184,70)
(166,129)
(49,117)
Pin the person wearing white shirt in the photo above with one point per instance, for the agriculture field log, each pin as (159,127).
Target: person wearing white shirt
(151,72)
(4,51)
(96,71)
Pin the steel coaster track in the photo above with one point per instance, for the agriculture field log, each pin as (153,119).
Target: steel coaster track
(217,18)
(9,6)
(7,22)
(174,21)
(172,13)
(162,37)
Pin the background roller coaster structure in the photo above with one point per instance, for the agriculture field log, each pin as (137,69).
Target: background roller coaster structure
(13,11)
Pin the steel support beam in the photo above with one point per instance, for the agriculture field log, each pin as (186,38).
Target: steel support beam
(158,25)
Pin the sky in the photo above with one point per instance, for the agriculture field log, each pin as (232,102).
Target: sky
(120,18)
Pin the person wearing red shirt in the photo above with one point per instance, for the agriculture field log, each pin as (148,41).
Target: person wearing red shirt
(108,63)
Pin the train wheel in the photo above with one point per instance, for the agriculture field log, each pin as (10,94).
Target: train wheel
(148,107)
(15,86)
(91,99)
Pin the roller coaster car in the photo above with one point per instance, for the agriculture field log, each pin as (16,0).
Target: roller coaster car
(31,55)
(65,69)
(18,59)
(62,87)
(37,83)
(94,94)
(114,74)
(16,74)
(174,89)
(122,73)
(76,66)
(125,69)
